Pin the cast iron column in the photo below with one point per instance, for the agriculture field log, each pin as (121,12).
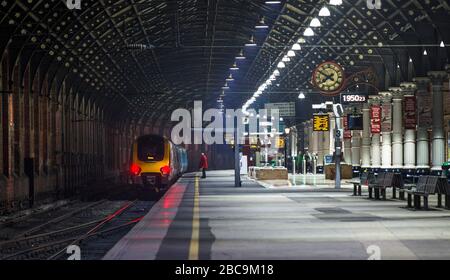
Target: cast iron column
(409,90)
(438,152)
(386,149)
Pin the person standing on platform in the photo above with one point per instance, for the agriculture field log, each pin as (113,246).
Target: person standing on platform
(203,164)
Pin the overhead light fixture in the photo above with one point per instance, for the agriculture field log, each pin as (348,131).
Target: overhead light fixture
(261,24)
(308,32)
(301,95)
(234,67)
(410,59)
(324,12)
(230,78)
(240,55)
(425,52)
(301,40)
(442,45)
(286,59)
(273,2)
(315,22)
(276,72)
(281,65)
(226,86)
(336,2)
(296,47)
(291,53)
(251,43)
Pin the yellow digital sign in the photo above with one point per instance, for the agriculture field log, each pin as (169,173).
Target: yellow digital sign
(321,122)
(280,143)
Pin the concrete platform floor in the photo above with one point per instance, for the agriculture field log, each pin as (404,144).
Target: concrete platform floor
(211,219)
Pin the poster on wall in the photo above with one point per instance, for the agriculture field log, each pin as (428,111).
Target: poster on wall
(410,112)
(424,107)
(375,119)
(386,120)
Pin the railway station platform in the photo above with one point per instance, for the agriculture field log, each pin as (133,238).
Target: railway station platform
(211,219)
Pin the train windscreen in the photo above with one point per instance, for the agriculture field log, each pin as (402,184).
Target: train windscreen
(151,148)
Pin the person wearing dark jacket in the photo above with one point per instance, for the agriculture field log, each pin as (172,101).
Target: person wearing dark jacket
(203,164)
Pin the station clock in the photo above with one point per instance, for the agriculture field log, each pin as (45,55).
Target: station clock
(329,77)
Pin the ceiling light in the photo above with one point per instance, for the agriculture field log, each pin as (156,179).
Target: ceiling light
(315,22)
(308,32)
(286,59)
(324,12)
(301,40)
(410,59)
(335,2)
(251,43)
(230,78)
(281,65)
(273,2)
(226,86)
(296,47)
(234,67)
(291,53)
(261,24)
(276,72)
(301,96)
(240,55)
(425,52)
(442,45)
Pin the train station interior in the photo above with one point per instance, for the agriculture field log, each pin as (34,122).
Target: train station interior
(224,130)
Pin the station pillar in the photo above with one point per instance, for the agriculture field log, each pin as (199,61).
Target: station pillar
(320,150)
(376,138)
(356,149)
(347,142)
(397,127)
(386,148)
(424,122)
(409,151)
(438,147)
(365,147)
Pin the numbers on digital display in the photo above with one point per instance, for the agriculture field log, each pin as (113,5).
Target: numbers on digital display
(354,98)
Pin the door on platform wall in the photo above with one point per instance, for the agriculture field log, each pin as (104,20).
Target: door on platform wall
(29,171)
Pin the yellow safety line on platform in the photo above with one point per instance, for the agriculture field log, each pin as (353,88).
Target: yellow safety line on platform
(194,246)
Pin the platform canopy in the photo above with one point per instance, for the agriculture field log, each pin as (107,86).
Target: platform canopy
(143,59)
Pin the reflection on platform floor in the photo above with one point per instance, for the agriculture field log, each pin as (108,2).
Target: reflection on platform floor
(211,219)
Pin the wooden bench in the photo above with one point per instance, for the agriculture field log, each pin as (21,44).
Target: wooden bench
(364,179)
(443,189)
(383,181)
(411,189)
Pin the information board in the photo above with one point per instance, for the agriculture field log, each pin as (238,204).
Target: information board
(321,122)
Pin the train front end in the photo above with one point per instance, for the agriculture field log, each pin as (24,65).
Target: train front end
(150,162)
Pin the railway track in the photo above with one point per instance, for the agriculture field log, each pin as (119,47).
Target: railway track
(50,239)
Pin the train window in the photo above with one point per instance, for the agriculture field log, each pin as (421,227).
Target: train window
(151,148)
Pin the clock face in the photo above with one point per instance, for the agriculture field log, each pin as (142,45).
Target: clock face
(329,77)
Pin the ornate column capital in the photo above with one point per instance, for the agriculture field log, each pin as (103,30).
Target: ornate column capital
(397,93)
(408,88)
(422,83)
(386,96)
(437,77)
(374,100)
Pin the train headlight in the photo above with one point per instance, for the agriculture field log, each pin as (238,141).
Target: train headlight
(135,169)
(165,170)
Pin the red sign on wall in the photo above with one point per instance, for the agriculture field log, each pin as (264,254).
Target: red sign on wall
(347,132)
(410,112)
(375,119)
